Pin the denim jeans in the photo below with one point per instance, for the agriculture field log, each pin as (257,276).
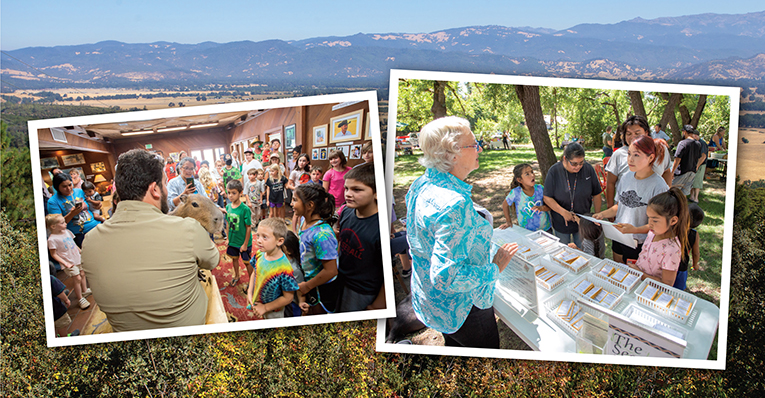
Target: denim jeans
(568,238)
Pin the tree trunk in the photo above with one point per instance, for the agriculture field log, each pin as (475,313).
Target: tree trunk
(669,118)
(535,121)
(685,115)
(636,100)
(439,100)
(699,110)
(554,117)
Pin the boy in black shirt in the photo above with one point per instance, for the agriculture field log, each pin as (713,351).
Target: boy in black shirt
(360,267)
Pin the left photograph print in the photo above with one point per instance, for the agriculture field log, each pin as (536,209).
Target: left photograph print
(209,219)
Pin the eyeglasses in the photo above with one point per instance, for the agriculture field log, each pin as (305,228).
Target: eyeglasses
(575,164)
(188,168)
(474,146)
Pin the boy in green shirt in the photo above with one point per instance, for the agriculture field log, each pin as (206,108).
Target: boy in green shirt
(229,172)
(239,230)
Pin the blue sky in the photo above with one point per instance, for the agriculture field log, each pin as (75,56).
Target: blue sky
(52,23)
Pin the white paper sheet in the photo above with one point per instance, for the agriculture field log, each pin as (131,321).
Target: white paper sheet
(612,233)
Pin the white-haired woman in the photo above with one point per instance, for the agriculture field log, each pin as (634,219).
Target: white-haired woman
(454,276)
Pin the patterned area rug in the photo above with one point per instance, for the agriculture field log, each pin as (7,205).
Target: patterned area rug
(234,297)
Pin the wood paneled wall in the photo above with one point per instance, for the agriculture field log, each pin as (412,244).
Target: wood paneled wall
(305,119)
(90,158)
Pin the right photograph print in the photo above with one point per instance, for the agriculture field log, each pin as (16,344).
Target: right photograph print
(560,219)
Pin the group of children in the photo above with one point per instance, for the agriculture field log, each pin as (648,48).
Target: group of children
(328,264)
(669,222)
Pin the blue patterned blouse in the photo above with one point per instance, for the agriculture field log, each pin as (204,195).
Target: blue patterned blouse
(450,247)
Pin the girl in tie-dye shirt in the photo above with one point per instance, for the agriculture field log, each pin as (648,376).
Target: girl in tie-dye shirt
(315,209)
(528,199)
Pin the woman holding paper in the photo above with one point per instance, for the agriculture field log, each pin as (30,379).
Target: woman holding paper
(633,192)
(571,188)
(453,275)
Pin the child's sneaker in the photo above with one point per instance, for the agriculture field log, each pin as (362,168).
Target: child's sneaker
(84,304)
(405,273)
(87,293)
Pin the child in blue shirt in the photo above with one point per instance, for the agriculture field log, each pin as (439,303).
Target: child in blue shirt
(528,200)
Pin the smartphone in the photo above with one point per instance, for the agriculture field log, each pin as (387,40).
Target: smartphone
(190,181)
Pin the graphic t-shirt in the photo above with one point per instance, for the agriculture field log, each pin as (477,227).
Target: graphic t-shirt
(96,197)
(659,255)
(254,191)
(272,278)
(632,196)
(299,177)
(276,195)
(65,247)
(230,174)
(360,266)
(79,224)
(317,243)
(238,220)
(527,217)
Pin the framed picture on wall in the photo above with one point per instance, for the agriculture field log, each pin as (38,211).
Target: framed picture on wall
(346,127)
(320,135)
(315,154)
(49,163)
(79,170)
(323,154)
(73,159)
(346,149)
(289,137)
(367,134)
(99,167)
(356,151)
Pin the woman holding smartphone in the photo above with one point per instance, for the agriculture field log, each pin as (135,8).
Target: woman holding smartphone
(185,183)
(70,202)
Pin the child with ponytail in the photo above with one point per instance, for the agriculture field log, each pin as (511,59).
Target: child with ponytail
(668,223)
(633,191)
(315,210)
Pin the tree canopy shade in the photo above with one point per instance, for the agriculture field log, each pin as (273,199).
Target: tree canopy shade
(16,200)
(576,112)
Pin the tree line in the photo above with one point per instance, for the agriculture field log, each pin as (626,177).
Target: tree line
(547,115)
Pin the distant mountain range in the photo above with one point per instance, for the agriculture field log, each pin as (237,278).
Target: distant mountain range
(704,47)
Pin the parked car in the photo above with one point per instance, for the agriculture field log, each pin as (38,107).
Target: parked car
(403,144)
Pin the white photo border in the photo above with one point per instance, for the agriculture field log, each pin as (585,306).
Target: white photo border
(730,187)
(50,332)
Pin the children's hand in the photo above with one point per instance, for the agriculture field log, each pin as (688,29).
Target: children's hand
(538,208)
(625,228)
(505,226)
(67,265)
(573,245)
(244,247)
(304,307)
(303,288)
(260,309)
